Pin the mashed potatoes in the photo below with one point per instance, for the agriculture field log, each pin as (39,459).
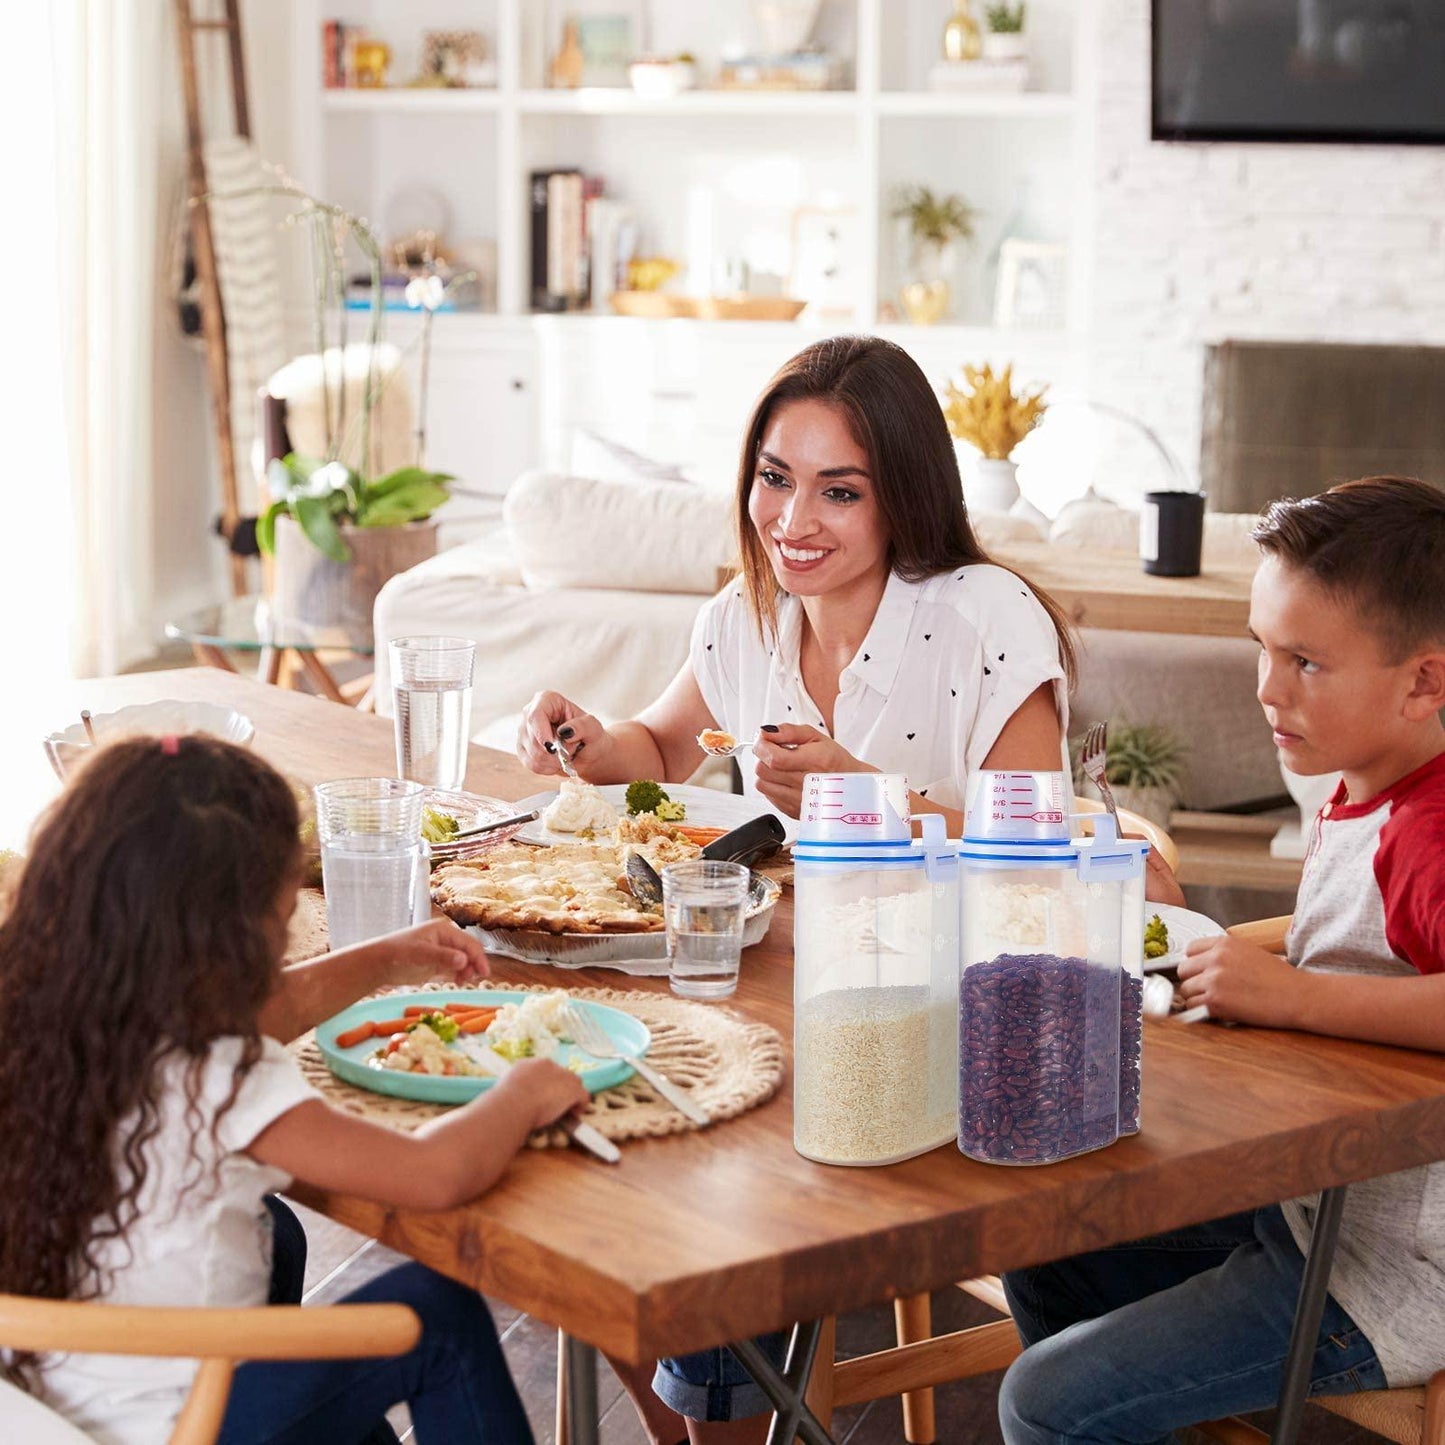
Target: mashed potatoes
(579,808)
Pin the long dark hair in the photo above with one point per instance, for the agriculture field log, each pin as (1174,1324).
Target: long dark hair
(894,416)
(141,926)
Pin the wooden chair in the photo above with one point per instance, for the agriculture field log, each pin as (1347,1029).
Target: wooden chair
(219,1338)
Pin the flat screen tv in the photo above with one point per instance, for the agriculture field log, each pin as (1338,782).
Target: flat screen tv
(1299,70)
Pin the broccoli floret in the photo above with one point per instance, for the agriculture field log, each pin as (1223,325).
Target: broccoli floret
(671,812)
(644,797)
(442,1025)
(436,826)
(1156,938)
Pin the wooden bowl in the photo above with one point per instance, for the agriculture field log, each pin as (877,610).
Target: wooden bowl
(749,308)
(652,304)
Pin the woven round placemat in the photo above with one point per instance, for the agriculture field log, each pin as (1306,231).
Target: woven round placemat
(728,1064)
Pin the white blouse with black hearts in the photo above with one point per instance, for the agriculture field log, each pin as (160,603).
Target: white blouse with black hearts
(946,663)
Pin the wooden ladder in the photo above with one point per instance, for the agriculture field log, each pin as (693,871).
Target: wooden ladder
(213,313)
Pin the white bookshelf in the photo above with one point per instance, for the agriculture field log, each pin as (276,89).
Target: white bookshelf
(766,153)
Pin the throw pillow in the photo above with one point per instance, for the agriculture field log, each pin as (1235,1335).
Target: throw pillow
(618,536)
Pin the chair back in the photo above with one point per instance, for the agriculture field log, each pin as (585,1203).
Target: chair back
(1138,825)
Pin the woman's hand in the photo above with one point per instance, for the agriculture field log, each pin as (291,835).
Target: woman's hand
(550,715)
(437,949)
(786,754)
(1241,981)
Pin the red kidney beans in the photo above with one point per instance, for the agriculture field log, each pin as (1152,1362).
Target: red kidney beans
(1048,1057)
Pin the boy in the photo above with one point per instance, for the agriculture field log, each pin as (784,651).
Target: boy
(1348,607)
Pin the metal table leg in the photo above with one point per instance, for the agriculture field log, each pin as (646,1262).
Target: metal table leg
(786,1389)
(581,1367)
(1294,1387)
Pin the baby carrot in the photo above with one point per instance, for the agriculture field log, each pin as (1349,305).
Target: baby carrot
(355,1036)
(389,1026)
(477,1024)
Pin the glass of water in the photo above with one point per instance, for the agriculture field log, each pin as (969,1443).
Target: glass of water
(431,682)
(704,903)
(375,867)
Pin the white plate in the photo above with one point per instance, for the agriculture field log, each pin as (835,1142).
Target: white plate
(706,808)
(1184,926)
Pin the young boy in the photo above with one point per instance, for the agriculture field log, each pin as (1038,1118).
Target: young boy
(1130,1343)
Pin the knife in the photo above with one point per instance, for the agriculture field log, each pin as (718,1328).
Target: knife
(492,826)
(579,1132)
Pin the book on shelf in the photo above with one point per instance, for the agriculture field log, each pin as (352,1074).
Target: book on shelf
(559,253)
(338,47)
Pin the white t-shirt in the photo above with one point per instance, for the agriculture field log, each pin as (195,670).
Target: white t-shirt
(946,663)
(208,1245)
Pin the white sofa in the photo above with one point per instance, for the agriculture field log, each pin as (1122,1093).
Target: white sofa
(590,587)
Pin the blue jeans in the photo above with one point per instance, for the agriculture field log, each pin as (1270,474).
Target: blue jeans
(714,1384)
(1130,1343)
(455,1381)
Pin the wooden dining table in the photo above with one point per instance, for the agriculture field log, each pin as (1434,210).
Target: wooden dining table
(713,1236)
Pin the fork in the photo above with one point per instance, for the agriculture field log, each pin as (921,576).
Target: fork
(591,1038)
(565,758)
(1094,759)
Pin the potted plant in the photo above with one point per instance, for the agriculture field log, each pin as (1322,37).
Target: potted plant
(936,224)
(1144,764)
(336,534)
(1003,36)
(992,416)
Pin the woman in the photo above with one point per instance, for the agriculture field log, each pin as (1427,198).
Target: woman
(868,632)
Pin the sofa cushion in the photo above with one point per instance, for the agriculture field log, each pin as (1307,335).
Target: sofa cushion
(628,536)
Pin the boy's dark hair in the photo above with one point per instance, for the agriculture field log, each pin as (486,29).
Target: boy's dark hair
(1378,543)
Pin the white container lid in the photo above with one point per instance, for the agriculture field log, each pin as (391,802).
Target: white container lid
(855,809)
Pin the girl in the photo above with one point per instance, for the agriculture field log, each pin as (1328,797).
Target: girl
(868,631)
(148,1107)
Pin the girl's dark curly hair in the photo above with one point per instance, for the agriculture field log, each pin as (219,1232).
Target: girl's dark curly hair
(144,923)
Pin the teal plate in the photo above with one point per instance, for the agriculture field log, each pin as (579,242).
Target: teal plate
(350,1064)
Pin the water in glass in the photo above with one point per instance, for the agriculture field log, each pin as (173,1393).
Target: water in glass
(431,732)
(373,885)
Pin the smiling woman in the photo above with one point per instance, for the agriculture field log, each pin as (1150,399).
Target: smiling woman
(869,630)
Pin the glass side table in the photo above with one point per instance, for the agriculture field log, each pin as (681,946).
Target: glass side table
(247,625)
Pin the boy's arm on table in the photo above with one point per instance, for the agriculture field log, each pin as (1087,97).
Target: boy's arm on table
(1241,982)
(306,993)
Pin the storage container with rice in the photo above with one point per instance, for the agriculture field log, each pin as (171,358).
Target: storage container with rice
(875,1073)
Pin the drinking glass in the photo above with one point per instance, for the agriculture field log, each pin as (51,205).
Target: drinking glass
(704,904)
(374,865)
(431,680)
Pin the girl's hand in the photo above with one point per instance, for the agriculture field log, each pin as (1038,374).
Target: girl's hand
(550,715)
(549,1090)
(1241,981)
(786,754)
(437,949)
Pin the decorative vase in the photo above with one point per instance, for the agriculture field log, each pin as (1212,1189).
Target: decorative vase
(990,485)
(1005,45)
(565,72)
(928,294)
(961,36)
(781,27)
(309,590)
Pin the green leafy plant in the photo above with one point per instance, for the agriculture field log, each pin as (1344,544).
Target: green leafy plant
(1142,755)
(1005,19)
(320,496)
(936,219)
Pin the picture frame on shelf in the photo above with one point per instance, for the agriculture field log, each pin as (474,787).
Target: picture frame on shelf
(1032,286)
(826,266)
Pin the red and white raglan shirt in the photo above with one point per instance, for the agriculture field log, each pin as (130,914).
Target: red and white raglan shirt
(1373,901)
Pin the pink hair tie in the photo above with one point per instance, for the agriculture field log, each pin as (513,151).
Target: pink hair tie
(171,745)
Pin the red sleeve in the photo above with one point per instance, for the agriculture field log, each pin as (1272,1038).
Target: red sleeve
(1410,872)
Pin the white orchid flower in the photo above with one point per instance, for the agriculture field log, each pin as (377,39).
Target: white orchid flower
(425,292)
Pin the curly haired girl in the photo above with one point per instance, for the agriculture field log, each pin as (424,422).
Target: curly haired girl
(148,1107)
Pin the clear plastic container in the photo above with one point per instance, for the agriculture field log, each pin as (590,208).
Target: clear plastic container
(1051,977)
(875,1069)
